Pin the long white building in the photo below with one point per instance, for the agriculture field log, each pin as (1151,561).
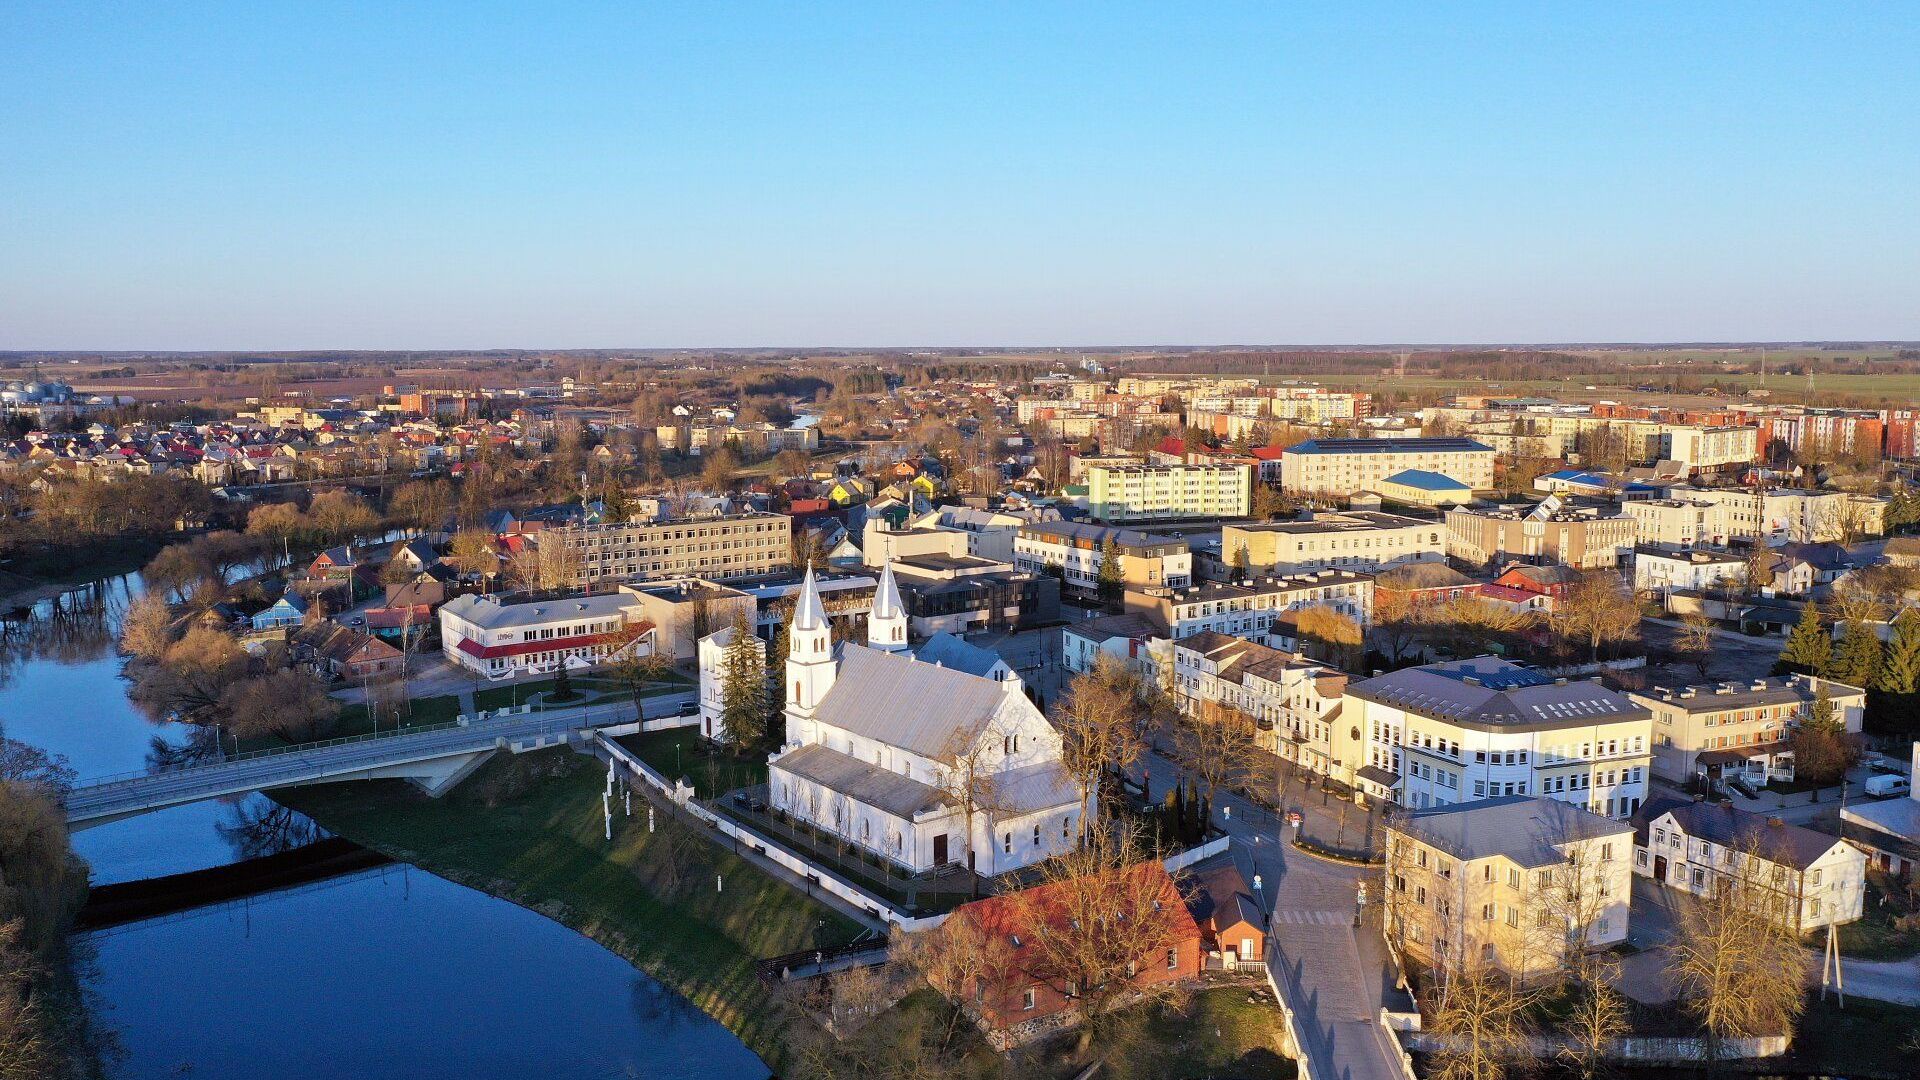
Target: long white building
(1131,494)
(1344,466)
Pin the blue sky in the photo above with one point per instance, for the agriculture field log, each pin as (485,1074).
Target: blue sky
(281,175)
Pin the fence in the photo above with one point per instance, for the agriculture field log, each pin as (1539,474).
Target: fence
(1641,1050)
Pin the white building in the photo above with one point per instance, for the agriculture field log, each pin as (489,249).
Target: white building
(1477,729)
(1790,515)
(1342,466)
(892,753)
(1363,540)
(1698,447)
(1293,701)
(713,679)
(1814,878)
(1250,609)
(1674,523)
(1078,549)
(1656,570)
(501,639)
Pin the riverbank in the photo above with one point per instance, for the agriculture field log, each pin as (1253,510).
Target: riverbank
(30,576)
(529,829)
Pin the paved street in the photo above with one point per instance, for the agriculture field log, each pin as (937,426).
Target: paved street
(1339,978)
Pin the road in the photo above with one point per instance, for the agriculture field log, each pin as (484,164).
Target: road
(1336,975)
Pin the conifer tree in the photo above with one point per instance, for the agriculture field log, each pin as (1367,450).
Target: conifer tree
(743,697)
(1108,580)
(1900,674)
(1808,648)
(1856,660)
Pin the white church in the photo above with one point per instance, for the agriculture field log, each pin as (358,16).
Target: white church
(881,739)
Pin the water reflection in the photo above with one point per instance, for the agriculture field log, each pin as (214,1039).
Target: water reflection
(258,827)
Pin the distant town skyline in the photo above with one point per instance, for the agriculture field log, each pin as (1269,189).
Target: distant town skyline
(224,177)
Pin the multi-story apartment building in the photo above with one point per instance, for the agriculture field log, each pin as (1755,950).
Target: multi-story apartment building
(1810,879)
(1739,728)
(722,547)
(1364,540)
(1675,523)
(1079,550)
(1132,494)
(1481,728)
(1661,569)
(1250,610)
(1293,700)
(1585,537)
(1518,881)
(1777,516)
(1344,466)
(1699,447)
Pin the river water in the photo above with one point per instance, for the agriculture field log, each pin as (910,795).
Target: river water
(387,973)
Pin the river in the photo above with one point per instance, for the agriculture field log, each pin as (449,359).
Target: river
(392,972)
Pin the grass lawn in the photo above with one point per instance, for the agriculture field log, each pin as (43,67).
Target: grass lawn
(1874,936)
(681,752)
(589,690)
(529,828)
(354,721)
(1220,1035)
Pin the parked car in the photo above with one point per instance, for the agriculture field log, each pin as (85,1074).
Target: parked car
(1887,785)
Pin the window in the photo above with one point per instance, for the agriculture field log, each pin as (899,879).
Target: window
(1173,959)
(1026,1000)
(1816,881)
(1006,843)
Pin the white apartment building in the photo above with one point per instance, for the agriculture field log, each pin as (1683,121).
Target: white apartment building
(1656,570)
(1251,609)
(1293,701)
(1344,466)
(1790,515)
(1465,730)
(1698,447)
(1133,494)
(1811,879)
(718,548)
(1363,540)
(1079,550)
(713,679)
(1675,523)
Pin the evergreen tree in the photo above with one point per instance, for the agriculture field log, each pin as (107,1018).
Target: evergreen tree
(776,679)
(1856,661)
(1808,648)
(1108,580)
(1242,564)
(1900,673)
(743,697)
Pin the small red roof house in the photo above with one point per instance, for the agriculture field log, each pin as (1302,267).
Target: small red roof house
(1543,586)
(1010,1002)
(1232,925)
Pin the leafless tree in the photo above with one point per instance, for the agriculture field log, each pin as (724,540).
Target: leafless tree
(1736,956)
(1482,1022)
(1695,641)
(955,958)
(1099,723)
(971,765)
(147,628)
(1598,608)
(1217,744)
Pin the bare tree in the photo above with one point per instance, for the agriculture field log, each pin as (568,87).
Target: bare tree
(970,779)
(1096,919)
(1099,723)
(147,628)
(1695,641)
(1599,608)
(1736,956)
(1218,745)
(956,958)
(1481,1021)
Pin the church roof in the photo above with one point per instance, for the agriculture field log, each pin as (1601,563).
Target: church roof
(861,782)
(950,651)
(886,599)
(808,614)
(922,708)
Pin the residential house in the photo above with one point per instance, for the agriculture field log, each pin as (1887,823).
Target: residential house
(1293,701)
(289,610)
(1231,918)
(1742,728)
(1811,879)
(340,652)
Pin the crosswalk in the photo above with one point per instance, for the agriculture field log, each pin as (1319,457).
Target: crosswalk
(1300,917)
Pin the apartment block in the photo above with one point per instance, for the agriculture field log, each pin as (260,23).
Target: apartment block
(1584,537)
(1344,466)
(1739,728)
(1808,879)
(722,547)
(1474,729)
(1675,523)
(1250,609)
(1132,494)
(1790,515)
(1362,540)
(1079,550)
(1293,701)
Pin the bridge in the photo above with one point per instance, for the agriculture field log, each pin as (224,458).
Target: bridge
(435,758)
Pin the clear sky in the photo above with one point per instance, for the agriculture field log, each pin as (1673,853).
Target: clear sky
(300,175)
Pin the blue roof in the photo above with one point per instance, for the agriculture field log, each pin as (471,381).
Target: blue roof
(952,652)
(1425,481)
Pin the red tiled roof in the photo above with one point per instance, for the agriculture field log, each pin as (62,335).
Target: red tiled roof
(521,648)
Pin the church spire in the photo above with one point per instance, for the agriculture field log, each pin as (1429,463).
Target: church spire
(808,614)
(887,622)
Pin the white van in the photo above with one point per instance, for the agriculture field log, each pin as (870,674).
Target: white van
(1885,785)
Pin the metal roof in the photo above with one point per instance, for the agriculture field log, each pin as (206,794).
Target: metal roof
(1524,828)
(922,708)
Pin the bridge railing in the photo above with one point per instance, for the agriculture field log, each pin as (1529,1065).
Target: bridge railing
(96,783)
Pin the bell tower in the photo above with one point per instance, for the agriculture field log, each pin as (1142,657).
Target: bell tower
(810,663)
(887,623)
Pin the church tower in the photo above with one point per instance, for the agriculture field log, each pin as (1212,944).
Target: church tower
(810,663)
(887,623)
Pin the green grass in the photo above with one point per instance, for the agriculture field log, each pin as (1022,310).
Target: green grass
(1867,1038)
(1219,1035)
(589,690)
(542,847)
(1874,936)
(713,772)
(354,720)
